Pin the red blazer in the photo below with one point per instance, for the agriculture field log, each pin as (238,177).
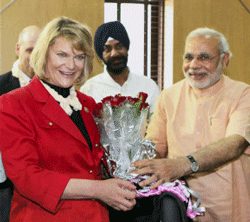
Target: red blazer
(42,149)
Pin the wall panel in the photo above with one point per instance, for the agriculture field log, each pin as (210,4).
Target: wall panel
(23,13)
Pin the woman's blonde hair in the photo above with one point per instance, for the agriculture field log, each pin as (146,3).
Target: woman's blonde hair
(74,32)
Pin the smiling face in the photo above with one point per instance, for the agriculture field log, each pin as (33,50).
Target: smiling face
(115,56)
(64,64)
(202,64)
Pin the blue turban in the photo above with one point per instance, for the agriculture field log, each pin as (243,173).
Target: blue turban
(111,29)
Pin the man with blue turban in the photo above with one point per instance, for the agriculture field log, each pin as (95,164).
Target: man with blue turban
(111,45)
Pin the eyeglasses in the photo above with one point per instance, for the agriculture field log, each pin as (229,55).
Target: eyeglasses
(203,58)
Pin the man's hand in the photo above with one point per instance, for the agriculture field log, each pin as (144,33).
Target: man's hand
(161,170)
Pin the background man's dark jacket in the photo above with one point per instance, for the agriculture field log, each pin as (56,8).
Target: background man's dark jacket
(8,83)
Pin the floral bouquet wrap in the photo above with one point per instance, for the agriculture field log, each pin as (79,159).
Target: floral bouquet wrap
(121,121)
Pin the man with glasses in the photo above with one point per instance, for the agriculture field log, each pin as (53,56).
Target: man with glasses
(201,129)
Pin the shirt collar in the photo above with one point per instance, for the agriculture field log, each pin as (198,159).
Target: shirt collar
(110,79)
(25,77)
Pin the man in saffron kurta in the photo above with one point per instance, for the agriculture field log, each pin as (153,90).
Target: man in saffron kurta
(205,115)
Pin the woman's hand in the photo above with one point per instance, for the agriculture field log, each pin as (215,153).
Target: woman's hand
(117,193)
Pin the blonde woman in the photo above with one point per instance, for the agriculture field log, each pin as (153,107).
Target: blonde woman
(49,141)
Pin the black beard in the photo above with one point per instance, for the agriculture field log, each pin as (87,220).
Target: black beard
(116,68)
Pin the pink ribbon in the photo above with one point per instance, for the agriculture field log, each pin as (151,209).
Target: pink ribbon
(180,190)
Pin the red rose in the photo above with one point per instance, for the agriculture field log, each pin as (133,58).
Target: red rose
(98,109)
(144,105)
(118,100)
(107,99)
(133,100)
(143,96)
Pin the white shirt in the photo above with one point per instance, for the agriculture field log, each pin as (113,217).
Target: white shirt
(103,85)
(25,77)
(22,77)
(2,171)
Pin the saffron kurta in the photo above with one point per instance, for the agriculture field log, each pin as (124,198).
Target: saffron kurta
(186,119)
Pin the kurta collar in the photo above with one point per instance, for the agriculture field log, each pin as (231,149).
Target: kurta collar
(205,93)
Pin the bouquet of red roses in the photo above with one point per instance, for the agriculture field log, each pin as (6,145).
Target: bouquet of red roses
(120,120)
